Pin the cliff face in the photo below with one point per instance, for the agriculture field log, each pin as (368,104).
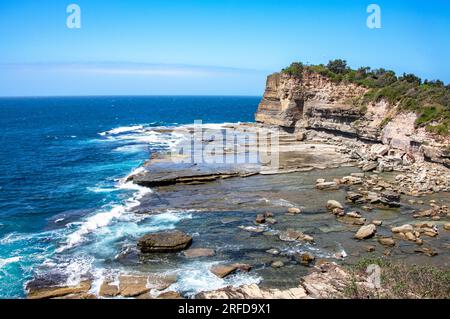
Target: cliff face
(313,102)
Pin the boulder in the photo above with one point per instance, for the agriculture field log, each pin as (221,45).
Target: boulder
(223,270)
(260,219)
(366,231)
(447,226)
(277,264)
(199,252)
(327,185)
(353,197)
(403,229)
(294,235)
(378,150)
(377,222)
(133,285)
(369,166)
(161,281)
(273,251)
(294,210)
(354,214)
(305,258)
(164,242)
(107,289)
(332,204)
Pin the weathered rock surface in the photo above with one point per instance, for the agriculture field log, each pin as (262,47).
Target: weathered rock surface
(199,252)
(164,242)
(366,232)
(55,292)
(133,285)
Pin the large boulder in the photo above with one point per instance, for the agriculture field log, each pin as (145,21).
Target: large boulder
(164,242)
(366,231)
(332,204)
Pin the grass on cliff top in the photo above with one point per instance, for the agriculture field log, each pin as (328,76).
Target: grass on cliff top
(401,281)
(430,100)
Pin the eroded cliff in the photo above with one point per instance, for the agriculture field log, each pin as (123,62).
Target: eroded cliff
(313,103)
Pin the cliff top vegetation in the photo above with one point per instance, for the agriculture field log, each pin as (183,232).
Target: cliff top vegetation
(429,99)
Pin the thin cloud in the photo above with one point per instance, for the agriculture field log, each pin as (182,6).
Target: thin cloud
(130,69)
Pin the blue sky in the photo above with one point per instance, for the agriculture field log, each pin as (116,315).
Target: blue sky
(207,47)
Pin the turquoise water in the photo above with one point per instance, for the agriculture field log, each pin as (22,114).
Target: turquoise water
(64,204)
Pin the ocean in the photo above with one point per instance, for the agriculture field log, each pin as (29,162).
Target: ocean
(64,202)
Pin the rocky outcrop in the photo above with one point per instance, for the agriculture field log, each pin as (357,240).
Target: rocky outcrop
(164,242)
(312,102)
(326,281)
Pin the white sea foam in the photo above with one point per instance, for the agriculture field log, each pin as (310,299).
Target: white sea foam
(122,129)
(195,277)
(6,261)
(104,218)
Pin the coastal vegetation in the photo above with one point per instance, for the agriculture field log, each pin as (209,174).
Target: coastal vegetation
(400,281)
(429,99)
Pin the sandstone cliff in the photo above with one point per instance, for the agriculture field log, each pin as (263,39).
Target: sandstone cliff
(312,102)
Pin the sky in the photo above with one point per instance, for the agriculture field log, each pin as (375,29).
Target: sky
(215,47)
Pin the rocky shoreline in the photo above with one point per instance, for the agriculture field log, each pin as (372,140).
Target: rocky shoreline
(391,202)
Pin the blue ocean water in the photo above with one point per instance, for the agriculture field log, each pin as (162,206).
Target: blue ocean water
(63,201)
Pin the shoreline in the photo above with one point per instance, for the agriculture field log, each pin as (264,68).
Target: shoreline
(322,184)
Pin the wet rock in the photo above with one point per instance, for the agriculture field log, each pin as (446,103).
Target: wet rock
(273,251)
(377,222)
(199,252)
(161,281)
(410,236)
(366,232)
(332,204)
(352,220)
(169,295)
(369,166)
(294,235)
(260,219)
(268,215)
(403,229)
(427,251)
(305,258)
(354,215)
(390,199)
(132,285)
(327,186)
(351,180)
(277,264)
(353,197)
(222,271)
(338,212)
(164,242)
(108,289)
(370,249)
(386,241)
(271,221)
(54,292)
(447,226)
(242,267)
(253,229)
(294,210)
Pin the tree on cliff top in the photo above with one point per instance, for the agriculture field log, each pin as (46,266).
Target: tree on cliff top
(338,66)
(295,69)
